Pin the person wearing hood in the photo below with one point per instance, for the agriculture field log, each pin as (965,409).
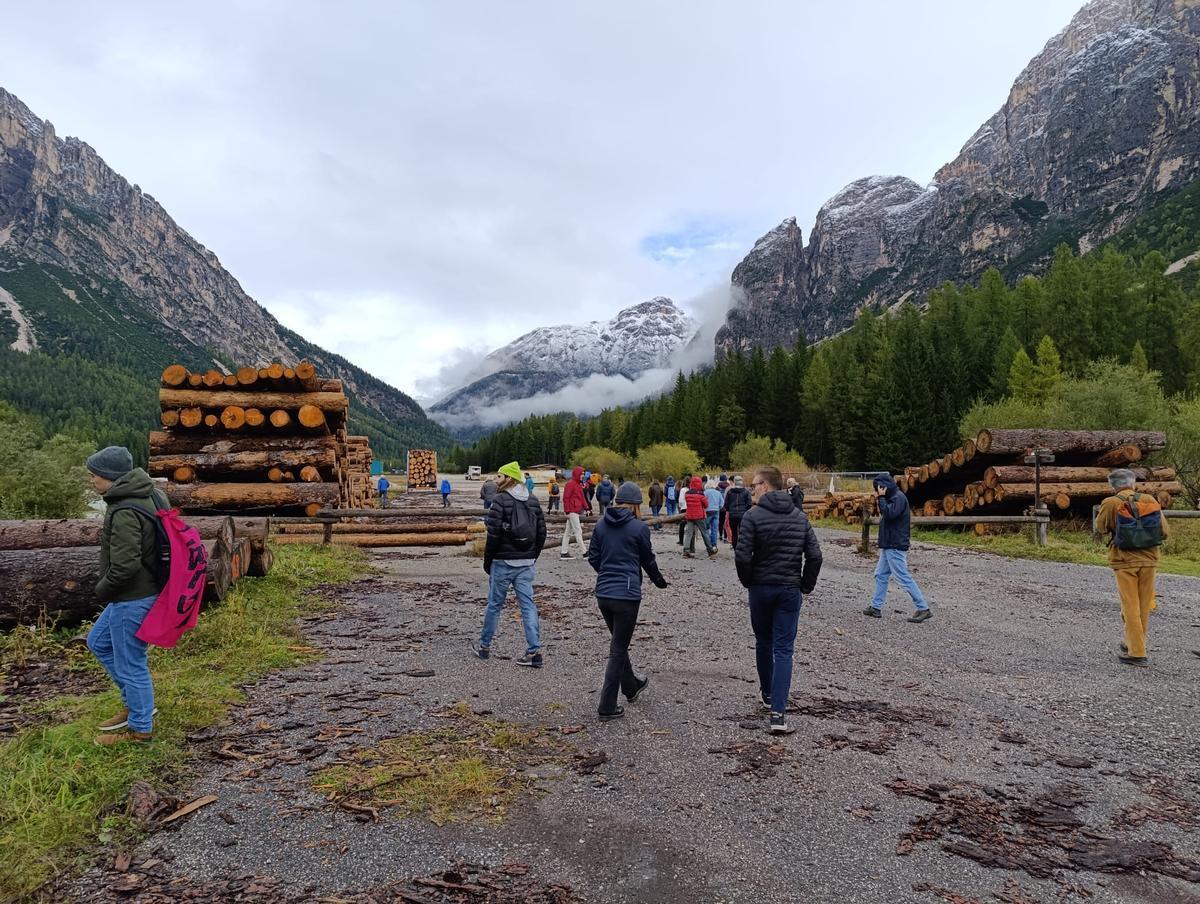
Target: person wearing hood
(778,560)
(895,524)
(487,492)
(129,585)
(737,503)
(697,520)
(656,500)
(670,496)
(445,490)
(605,491)
(619,552)
(574,504)
(516,533)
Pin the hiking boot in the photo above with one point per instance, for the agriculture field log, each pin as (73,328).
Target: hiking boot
(779,724)
(921,615)
(565,555)
(642,685)
(712,552)
(1133,660)
(480,650)
(688,555)
(120,737)
(532,660)
(119,721)
(617,713)
(872,612)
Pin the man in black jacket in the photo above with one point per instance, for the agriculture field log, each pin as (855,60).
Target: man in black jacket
(778,560)
(895,520)
(737,503)
(516,533)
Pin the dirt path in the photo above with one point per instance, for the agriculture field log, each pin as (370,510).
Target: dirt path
(996,753)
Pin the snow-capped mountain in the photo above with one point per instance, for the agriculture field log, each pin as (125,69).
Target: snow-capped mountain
(591,358)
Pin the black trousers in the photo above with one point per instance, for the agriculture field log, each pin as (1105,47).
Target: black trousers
(621,617)
(735,524)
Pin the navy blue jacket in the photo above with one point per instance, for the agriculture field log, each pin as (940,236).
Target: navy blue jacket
(605,491)
(619,550)
(894,515)
(738,501)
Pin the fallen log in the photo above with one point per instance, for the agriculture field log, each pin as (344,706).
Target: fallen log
(55,584)
(209,462)
(75,532)
(194,496)
(1087,490)
(292,401)
(1014,442)
(377,540)
(218,578)
(1120,456)
(394,527)
(163,443)
(1007,474)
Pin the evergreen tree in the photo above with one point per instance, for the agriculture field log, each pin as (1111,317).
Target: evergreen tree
(1002,363)
(1137,359)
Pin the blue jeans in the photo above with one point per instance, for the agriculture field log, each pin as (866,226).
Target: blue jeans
(123,656)
(774,613)
(655,512)
(520,578)
(713,518)
(895,562)
(671,507)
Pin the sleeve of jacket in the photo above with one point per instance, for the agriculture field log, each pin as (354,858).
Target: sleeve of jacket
(812,559)
(124,554)
(646,556)
(743,556)
(593,553)
(888,508)
(495,520)
(541,531)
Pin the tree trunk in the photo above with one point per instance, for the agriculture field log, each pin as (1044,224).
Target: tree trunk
(182,398)
(194,496)
(1086,490)
(1014,442)
(163,443)
(57,584)
(1024,474)
(219,575)
(1121,456)
(396,527)
(74,532)
(378,540)
(226,462)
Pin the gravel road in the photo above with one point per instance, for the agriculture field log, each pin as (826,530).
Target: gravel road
(998,752)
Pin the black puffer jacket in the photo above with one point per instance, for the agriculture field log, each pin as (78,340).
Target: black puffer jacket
(737,501)
(776,546)
(797,497)
(895,518)
(500,541)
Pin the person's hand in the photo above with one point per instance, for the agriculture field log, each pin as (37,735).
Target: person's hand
(880,491)
(487,568)
(662,584)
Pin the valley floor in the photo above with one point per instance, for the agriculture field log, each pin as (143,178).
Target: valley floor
(996,753)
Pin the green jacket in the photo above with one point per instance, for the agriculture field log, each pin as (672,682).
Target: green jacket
(128,543)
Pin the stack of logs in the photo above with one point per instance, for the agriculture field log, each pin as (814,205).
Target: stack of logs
(49,569)
(988,475)
(270,439)
(422,470)
(381,528)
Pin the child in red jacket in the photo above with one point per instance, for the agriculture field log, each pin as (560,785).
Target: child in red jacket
(696,512)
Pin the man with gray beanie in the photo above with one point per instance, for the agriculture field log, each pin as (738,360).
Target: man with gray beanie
(129,584)
(1137,529)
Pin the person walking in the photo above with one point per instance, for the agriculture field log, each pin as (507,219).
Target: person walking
(796,493)
(589,489)
(1137,529)
(895,524)
(778,559)
(737,502)
(487,492)
(383,486)
(723,484)
(554,492)
(619,552)
(681,489)
(445,492)
(670,497)
(128,584)
(656,496)
(714,501)
(516,533)
(574,504)
(697,521)
(604,494)
(529,484)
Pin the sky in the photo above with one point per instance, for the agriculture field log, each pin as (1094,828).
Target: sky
(414,184)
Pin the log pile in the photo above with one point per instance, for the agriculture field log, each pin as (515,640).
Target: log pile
(49,569)
(987,475)
(422,470)
(271,440)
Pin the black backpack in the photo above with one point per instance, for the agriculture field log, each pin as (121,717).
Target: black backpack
(521,526)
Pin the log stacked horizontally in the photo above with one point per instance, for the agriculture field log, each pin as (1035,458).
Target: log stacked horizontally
(271,440)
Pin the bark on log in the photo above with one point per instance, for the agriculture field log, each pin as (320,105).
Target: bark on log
(402,527)
(219,576)
(1086,490)
(1013,442)
(181,398)
(1120,456)
(226,462)
(163,443)
(56,584)
(74,532)
(193,496)
(377,540)
(261,562)
(1052,474)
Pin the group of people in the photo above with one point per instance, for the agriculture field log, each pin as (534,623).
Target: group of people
(776,555)
(383,485)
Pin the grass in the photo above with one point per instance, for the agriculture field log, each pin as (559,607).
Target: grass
(1181,554)
(471,769)
(60,793)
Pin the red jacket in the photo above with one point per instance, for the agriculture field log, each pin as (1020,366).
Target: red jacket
(697,505)
(572,501)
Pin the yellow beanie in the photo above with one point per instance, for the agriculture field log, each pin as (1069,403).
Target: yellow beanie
(513,470)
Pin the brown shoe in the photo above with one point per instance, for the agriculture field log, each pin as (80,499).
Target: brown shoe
(116,723)
(120,737)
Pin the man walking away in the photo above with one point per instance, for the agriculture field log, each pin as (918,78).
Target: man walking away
(1137,529)
(723,484)
(697,520)
(796,493)
(129,584)
(574,504)
(670,497)
(516,533)
(778,560)
(604,494)
(895,521)
(737,503)
(487,492)
(714,500)
(620,550)
(445,492)
(554,492)
(383,486)
(656,500)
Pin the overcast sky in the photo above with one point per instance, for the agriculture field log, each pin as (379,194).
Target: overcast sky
(409,184)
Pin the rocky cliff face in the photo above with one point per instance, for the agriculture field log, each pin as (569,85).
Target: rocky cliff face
(1098,123)
(62,209)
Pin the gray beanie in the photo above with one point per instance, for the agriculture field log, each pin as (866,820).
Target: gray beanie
(629,494)
(737,481)
(111,462)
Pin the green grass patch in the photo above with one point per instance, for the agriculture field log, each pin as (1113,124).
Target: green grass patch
(59,792)
(471,769)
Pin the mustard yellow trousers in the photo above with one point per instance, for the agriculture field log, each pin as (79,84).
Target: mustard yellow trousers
(1136,588)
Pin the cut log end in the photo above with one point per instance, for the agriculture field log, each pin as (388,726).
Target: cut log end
(174,375)
(247,376)
(311,416)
